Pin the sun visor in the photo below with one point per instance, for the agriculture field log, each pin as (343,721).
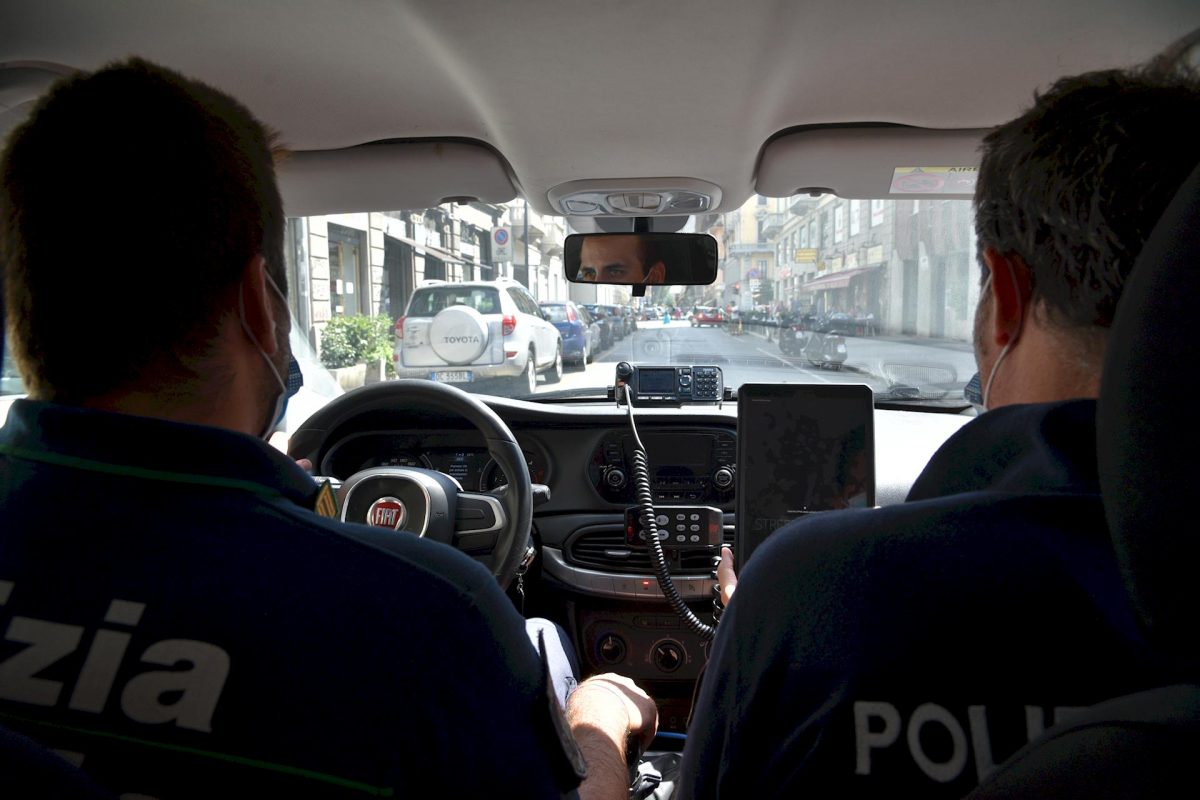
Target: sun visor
(390,176)
(871,163)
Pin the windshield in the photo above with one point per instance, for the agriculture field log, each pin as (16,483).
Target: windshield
(809,289)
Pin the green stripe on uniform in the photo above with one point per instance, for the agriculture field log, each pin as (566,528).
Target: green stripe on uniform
(345,783)
(137,472)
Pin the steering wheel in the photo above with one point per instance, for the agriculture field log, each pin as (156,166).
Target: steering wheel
(493,526)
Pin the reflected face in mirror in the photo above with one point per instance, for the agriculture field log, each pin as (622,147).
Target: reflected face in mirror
(618,259)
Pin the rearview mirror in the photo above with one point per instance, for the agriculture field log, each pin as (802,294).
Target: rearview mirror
(655,259)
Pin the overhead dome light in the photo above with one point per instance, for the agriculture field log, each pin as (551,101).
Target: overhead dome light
(638,197)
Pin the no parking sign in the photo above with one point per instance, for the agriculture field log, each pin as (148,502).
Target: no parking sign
(501,244)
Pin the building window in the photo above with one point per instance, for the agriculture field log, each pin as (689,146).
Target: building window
(345,270)
(876,212)
(855,217)
(839,224)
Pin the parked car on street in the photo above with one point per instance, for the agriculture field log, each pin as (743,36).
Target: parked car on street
(580,332)
(838,322)
(707,315)
(624,318)
(610,328)
(474,331)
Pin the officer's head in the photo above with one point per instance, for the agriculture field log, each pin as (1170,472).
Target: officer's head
(1068,193)
(621,259)
(139,219)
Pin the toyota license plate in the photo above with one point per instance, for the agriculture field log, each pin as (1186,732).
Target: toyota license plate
(453,376)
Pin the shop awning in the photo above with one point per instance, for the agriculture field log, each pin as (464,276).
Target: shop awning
(838,280)
(428,249)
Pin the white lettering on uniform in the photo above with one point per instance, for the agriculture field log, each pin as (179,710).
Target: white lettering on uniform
(948,770)
(981,742)
(48,643)
(865,740)
(201,685)
(99,671)
(72,757)
(1035,722)
(1064,713)
(104,658)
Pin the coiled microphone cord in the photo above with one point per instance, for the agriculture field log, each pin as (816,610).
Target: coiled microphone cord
(645,501)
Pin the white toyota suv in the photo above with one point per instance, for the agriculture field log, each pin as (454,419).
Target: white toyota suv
(475,331)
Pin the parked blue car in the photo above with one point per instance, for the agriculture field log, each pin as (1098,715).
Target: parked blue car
(580,332)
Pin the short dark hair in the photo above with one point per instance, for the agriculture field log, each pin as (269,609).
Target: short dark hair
(1075,185)
(130,202)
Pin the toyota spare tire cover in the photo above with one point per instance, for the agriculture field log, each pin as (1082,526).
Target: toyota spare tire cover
(459,334)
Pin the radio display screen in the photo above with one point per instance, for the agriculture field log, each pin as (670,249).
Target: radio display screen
(656,381)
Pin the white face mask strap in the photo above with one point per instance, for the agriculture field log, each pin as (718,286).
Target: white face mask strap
(987,386)
(246,328)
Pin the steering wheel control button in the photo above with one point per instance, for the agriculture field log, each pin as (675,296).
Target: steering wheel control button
(477,513)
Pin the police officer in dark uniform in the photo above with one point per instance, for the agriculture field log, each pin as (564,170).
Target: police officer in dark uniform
(909,650)
(176,618)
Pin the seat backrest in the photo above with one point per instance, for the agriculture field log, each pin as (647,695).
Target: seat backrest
(1149,459)
(1148,447)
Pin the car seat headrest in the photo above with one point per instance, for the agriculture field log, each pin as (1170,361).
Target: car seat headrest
(1148,446)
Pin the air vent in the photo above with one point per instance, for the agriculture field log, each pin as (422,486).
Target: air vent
(605,549)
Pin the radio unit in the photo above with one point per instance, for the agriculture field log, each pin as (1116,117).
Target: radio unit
(678,526)
(670,385)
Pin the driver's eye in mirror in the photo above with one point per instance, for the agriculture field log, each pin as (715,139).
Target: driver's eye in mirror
(655,259)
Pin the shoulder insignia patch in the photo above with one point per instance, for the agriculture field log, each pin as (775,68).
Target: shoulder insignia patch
(326,503)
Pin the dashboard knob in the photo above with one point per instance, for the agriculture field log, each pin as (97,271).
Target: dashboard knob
(615,478)
(612,649)
(624,371)
(723,478)
(668,656)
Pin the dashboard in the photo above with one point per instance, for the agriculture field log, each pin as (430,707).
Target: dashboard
(588,577)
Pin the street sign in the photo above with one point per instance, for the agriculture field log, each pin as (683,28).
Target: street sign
(501,244)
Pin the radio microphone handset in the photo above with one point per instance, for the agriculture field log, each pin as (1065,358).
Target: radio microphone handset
(645,501)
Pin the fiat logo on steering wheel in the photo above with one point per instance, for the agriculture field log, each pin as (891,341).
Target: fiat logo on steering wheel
(387,512)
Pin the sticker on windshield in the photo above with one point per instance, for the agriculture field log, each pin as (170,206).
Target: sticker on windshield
(934,180)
